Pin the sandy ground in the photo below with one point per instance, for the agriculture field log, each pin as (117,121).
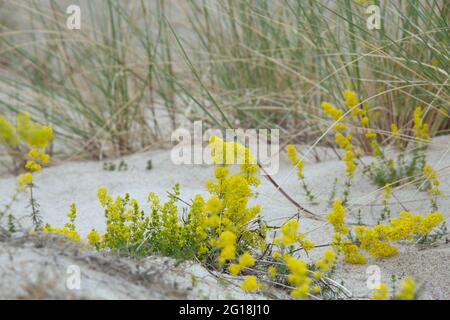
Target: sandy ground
(77,182)
(47,266)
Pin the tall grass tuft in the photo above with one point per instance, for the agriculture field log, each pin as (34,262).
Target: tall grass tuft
(104,87)
(275,61)
(112,87)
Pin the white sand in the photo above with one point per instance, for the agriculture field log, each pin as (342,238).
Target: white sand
(77,182)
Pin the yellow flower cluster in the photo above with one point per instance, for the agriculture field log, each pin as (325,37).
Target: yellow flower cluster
(420,127)
(93,237)
(25,179)
(377,240)
(33,135)
(227,244)
(432,177)
(216,222)
(250,284)
(351,98)
(408,289)
(69,228)
(336,217)
(7,132)
(344,142)
(325,263)
(298,276)
(245,260)
(296,161)
(335,114)
(380,292)
(226,153)
(351,251)
(290,236)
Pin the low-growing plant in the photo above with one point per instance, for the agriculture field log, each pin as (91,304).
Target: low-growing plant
(407,290)
(25,142)
(410,164)
(226,234)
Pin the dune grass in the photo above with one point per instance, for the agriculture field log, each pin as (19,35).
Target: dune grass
(116,85)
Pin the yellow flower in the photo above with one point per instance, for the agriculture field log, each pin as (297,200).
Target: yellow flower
(69,233)
(408,290)
(32,166)
(295,160)
(331,110)
(351,98)
(276,255)
(420,128)
(325,263)
(102,195)
(272,271)
(7,132)
(38,155)
(364,121)
(350,165)
(344,142)
(93,237)
(227,242)
(31,132)
(235,269)
(370,134)
(429,222)
(250,284)
(214,205)
(307,245)
(380,292)
(25,179)
(301,291)
(289,233)
(246,260)
(336,217)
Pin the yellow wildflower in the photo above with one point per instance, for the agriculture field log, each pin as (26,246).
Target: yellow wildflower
(25,179)
(364,121)
(408,289)
(351,98)
(7,132)
(38,155)
(246,260)
(380,292)
(272,271)
(250,284)
(235,269)
(93,237)
(295,160)
(32,166)
(336,217)
(227,242)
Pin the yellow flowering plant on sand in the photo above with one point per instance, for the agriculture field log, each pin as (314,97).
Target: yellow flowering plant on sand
(218,229)
(407,291)
(355,122)
(25,142)
(378,241)
(297,162)
(410,164)
(227,234)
